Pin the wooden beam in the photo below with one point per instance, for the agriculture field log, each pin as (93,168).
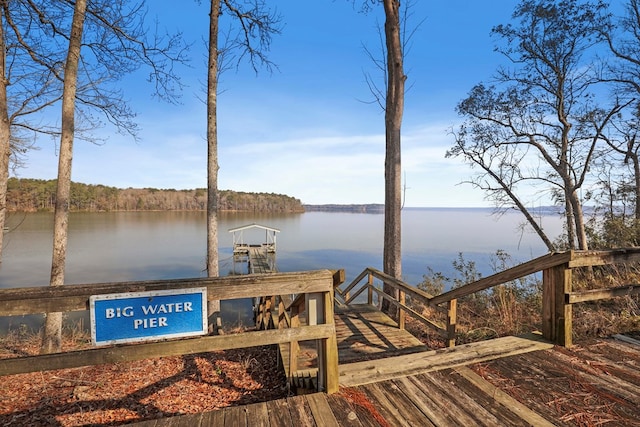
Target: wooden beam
(452,316)
(599,294)
(539,264)
(46,299)
(557,314)
(440,329)
(613,256)
(127,353)
(355,282)
(329,350)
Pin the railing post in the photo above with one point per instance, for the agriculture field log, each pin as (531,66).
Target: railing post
(557,314)
(452,314)
(258,313)
(338,279)
(294,346)
(265,313)
(282,323)
(401,313)
(320,311)
(370,289)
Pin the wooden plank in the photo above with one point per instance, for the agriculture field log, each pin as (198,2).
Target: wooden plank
(549,382)
(453,412)
(279,415)
(388,409)
(611,384)
(496,407)
(539,264)
(123,353)
(19,301)
(300,412)
(452,315)
(614,256)
(355,282)
(369,371)
(556,313)
(404,404)
(148,423)
(257,415)
(423,399)
(400,285)
(347,415)
(599,294)
(235,416)
(451,395)
(328,349)
(320,409)
(526,414)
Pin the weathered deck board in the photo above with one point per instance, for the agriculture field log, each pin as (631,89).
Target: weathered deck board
(369,371)
(259,262)
(545,382)
(557,383)
(535,384)
(363,333)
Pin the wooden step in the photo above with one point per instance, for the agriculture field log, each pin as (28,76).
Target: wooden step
(359,373)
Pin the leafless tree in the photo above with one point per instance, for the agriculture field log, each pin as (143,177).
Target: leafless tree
(391,99)
(253,24)
(623,39)
(540,124)
(114,41)
(51,338)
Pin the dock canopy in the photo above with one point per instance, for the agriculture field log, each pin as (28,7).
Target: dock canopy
(239,244)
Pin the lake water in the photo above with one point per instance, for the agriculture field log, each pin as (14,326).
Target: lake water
(123,246)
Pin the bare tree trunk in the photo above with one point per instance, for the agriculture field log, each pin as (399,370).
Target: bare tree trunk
(578,220)
(5,135)
(52,334)
(636,180)
(392,255)
(212,163)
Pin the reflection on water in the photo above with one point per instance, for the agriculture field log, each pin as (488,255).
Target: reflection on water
(123,246)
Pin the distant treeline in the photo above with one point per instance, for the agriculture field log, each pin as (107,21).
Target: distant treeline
(369,208)
(32,195)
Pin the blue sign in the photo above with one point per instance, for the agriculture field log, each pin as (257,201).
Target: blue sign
(143,316)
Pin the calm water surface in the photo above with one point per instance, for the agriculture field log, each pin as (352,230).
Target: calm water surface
(121,246)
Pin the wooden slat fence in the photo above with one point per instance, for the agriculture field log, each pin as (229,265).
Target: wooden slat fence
(558,295)
(315,289)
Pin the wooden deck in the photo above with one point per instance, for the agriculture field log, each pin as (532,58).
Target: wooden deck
(259,261)
(549,387)
(371,348)
(388,378)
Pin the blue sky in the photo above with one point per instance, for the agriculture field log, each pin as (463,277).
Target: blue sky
(304,130)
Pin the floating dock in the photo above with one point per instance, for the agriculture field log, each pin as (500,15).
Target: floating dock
(261,257)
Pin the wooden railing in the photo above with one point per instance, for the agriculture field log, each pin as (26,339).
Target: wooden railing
(315,289)
(294,311)
(557,295)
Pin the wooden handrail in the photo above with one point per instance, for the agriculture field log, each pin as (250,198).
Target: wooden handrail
(414,313)
(47,299)
(131,352)
(557,293)
(404,289)
(600,294)
(312,285)
(522,270)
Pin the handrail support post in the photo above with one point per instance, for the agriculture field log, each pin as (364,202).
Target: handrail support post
(452,314)
(557,313)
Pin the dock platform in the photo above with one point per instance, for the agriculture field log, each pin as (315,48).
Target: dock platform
(390,380)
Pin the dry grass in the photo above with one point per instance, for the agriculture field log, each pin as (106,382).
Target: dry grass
(512,309)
